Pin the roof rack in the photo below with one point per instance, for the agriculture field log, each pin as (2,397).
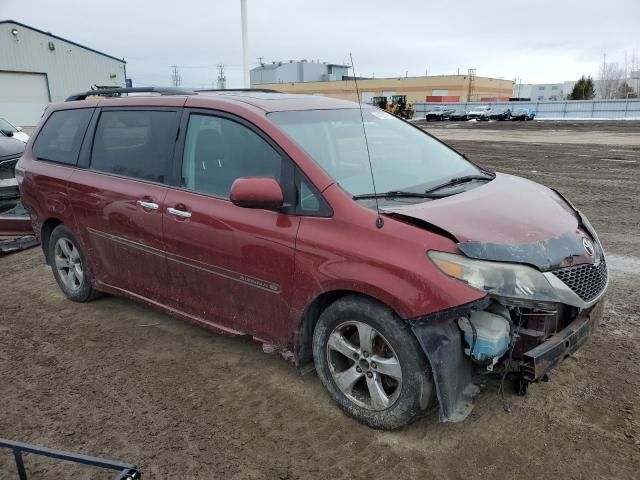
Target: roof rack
(111,91)
(263,90)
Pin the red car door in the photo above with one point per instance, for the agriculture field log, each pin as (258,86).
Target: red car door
(118,201)
(229,266)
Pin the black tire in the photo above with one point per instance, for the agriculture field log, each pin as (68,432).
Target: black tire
(412,395)
(83,291)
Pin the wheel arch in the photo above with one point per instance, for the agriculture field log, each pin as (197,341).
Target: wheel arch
(303,339)
(45,234)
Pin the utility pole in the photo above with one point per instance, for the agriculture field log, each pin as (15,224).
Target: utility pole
(245,42)
(222,78)
(261,61)
(176,78)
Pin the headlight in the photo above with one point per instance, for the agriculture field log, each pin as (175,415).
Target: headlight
(503,279)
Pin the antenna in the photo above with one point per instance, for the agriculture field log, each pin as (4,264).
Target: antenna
(176,78)
(379,220)
(222,78)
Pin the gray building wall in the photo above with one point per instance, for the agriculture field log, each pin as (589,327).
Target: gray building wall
(294,71)
(541,92)
(69,67)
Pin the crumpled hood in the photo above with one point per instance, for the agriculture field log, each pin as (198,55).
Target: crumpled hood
(510,219)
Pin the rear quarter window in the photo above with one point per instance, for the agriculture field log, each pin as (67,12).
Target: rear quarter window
(61,136)
(135,143)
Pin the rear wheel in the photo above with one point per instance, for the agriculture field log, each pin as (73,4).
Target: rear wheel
(69,265)
(371,363)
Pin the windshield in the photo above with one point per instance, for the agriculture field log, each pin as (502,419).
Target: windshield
(404,158)
(4,125)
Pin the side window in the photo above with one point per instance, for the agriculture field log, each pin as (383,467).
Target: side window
(309,203)
(217,151)
(61,137)
(135,143)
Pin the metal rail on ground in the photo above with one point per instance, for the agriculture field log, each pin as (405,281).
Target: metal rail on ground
(124,471)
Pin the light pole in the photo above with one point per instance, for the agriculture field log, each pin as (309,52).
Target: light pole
(245,42)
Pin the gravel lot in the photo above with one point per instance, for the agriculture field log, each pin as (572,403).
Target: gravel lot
(117,379)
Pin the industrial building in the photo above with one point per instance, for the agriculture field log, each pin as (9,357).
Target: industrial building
(302,71)
(37,68)
(543,92)
(332,80)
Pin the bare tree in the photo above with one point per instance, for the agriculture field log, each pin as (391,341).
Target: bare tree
(610,77)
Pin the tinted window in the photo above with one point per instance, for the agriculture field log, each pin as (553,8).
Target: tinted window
(61,137)
(135,143)
(218,150)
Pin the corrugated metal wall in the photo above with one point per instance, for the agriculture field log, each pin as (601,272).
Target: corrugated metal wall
(69,68)
(566,110)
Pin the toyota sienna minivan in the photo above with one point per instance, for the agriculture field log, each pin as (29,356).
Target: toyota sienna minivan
(396,266)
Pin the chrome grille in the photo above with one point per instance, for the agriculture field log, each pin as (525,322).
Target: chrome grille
(587,281)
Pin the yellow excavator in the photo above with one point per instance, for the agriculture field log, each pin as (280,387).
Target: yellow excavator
(400,107)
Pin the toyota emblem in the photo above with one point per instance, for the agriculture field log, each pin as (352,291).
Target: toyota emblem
(588,246)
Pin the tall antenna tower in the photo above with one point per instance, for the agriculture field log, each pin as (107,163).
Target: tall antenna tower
(472,83)
(176,78)
(222,78)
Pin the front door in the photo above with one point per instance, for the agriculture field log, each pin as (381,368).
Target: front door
(229,266)
(118,201)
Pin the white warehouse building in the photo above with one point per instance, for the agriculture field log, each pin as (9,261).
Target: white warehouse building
(37,68)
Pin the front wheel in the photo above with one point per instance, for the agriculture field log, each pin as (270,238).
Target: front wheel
(371,364)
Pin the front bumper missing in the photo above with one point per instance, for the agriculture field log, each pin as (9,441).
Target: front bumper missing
(539,360)
(441,341)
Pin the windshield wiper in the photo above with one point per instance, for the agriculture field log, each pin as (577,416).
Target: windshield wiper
(397,194)
(458,180)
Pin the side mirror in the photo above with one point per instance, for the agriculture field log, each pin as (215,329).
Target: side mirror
(7,133)
(256,192)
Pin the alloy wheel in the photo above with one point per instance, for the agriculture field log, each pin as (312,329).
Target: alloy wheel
(364,366)
(68,264)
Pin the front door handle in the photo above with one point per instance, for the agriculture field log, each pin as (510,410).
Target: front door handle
(149,205)
(178,213)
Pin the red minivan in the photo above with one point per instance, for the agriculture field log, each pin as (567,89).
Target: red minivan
(338,234)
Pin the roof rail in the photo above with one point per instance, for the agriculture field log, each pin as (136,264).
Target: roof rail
(263,90)
(111,91)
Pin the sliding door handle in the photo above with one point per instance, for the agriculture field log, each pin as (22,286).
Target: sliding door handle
(178,213)
(149,205)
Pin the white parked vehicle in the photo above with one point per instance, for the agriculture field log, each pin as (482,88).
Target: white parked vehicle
(481,112)
(9,130)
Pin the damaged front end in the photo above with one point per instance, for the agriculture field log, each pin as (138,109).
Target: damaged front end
(529,321)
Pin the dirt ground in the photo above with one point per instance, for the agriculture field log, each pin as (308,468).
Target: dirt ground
(117,379)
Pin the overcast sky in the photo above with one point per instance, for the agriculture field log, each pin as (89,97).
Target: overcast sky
(537,41)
